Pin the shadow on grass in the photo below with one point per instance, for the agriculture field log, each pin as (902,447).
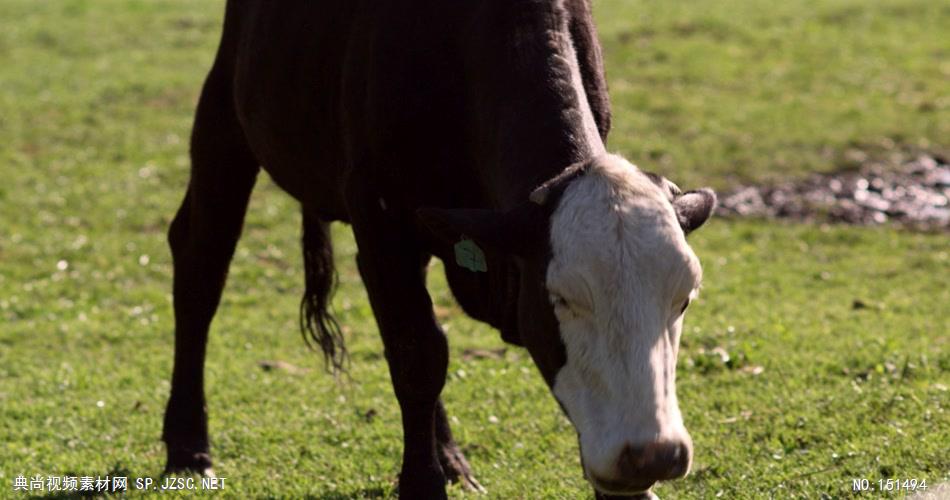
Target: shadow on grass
(72,495)
(371,492)
(116,471)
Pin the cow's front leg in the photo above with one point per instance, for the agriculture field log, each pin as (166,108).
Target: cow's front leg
(393,270)
(202,237)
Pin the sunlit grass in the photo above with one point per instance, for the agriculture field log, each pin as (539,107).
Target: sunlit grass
(838,364)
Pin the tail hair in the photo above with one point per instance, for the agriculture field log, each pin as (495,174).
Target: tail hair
(316,323)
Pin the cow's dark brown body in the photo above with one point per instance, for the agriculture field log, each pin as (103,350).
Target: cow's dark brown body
(365,111)
(434,100)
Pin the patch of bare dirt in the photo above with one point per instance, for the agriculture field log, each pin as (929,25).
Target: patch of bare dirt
(913,192)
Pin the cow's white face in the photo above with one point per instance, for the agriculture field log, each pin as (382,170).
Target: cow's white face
(605,275)
(620,277)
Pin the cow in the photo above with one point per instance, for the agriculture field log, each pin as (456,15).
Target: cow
(473,132)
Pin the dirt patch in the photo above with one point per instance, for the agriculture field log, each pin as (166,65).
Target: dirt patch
(936,492)
(911,192)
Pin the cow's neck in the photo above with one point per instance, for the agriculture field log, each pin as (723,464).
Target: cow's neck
(535,116)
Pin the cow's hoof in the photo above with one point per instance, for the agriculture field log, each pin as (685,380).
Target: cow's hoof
(457,470)
(189,462)
(421,484)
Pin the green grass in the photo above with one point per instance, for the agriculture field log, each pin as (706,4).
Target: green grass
(752,89)
(96,100)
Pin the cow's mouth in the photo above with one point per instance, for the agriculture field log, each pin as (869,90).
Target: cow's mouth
(605,489)
(624,489)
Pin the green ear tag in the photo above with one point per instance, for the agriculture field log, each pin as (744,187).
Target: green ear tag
(469,256)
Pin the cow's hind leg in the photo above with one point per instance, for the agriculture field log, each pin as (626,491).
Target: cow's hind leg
(202,239)
(453,462)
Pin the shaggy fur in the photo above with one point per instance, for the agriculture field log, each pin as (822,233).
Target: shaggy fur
(316,323)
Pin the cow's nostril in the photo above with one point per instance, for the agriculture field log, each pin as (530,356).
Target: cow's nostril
(656,461)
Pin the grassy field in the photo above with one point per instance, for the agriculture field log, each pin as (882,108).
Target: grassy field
(837,337)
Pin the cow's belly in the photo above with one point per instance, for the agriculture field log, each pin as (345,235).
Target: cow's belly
(294,150)
(286,93)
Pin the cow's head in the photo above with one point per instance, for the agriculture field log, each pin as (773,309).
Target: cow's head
(606,276)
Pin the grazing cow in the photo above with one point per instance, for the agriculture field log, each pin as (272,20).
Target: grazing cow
(470,131)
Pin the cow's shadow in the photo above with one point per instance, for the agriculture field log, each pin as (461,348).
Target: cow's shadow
(116,471)
(337,495)
(71,495)
(370,492)
(367,492)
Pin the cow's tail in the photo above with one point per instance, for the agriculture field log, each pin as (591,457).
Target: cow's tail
(316,323)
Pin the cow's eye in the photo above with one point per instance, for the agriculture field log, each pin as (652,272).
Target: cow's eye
(557,300)
(685,305)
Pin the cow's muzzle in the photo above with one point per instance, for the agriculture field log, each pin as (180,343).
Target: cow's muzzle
(637,468)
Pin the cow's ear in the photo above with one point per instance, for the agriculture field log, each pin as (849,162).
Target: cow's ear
(693,208)
(670,189)
(519,231)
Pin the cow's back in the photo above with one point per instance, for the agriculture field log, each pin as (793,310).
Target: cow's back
(383,91)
